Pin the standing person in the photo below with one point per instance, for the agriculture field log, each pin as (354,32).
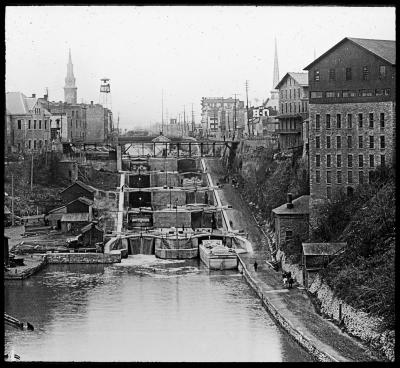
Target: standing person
(255,266)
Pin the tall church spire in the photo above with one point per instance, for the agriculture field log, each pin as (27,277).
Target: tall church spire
(276,68)
(70,90)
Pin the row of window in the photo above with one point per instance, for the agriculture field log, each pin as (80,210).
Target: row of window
(351,93)
(340,177)
(371,142)
(36,144)
(349,160)
(348,73)
(32,126)
(360,121)
(300,107)
(295,92)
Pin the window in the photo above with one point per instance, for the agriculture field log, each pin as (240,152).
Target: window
(360,120)
(382,119)
(349,142)
(349,93)
(318,177)
(317,160)
(76,124)
(361,177)
(365,73)
(290,107)
(290,94)
(317,122)
(371,120)
(331,94)
(328,121)
(286,107)
(328,160)
(382,139)
(328,142)
(360,141)
(40,124)
(315,94)
(348,73)
(387,91)
(316,75)
(349,160)
(339,160)
(19,124)
(338,121)
(286,94)
(382,72)
(371,142)
(73,113)
(29,144)
(379,92)
(40,143)
(350,177)
(45,124)
(282,108)
(360,160)
(29,124)
(19,147)
(338,142)
(370,176)
(366,92)
(318,142)
(329,192)
(371,161)
(34,124)
(332,74)
(339,177)
(45,142)
(34,144)
(288,236)
(349,121)
(328,177)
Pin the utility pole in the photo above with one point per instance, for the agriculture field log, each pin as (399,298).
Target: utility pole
(12,199)
(247,105)
(32,173)
(234,115)
(162,111)
(184,119)
(192,120)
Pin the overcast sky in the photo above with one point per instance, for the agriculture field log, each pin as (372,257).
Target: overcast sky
(189,52)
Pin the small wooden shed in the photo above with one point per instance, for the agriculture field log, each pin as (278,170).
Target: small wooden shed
(316,256)
(76,190)
(91,234)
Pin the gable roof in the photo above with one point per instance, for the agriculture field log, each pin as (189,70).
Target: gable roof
(75,217)
(82,185)
(58,210)
(300,207)
(300,78)
(384,49)
(89,227)
(322,249)
(16,103)
(83,200)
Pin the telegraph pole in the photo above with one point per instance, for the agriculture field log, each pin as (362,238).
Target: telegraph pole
(247,105)
(32,173)
(184,119)
(192,120)
(162,110)
(12,200)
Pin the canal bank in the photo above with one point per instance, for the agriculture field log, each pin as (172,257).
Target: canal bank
(291,308)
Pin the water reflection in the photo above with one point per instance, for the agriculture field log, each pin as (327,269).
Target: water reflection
(143,309)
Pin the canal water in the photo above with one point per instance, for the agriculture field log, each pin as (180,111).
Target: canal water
(143,309)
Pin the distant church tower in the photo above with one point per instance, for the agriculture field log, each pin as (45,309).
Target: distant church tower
(274,100)
(70,94)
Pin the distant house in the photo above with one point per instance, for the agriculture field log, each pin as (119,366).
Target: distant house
(316,256)
(91,234)
(73,222)
(80,205)
(292,220)
(76,190)
(54,216)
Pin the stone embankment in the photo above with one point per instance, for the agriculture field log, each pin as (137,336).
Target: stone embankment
(355,322)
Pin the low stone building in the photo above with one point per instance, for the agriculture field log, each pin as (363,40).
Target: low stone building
(292,222)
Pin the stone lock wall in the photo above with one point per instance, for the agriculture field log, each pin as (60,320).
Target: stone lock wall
(168,163)
(162,199)
(356,322)
(172,219)
(159,179)
(70,258)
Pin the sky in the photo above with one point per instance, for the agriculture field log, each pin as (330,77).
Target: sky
(174,54)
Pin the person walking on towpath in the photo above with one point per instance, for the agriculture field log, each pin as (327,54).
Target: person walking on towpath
(255,266)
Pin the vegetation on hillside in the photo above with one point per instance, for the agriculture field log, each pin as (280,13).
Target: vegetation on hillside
(364,274)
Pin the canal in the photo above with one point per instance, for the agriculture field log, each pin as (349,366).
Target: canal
(143,309)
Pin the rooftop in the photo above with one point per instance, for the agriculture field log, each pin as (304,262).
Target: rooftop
(81,184)
(322,249)
(300,207)
(75,217)
(300,78)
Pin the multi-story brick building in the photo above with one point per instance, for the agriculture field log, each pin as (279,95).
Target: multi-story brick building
(219,115)
(293,109)
(352,114)
(29,128)
(98,123)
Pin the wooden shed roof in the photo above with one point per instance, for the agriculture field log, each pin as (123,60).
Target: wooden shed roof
(322,249)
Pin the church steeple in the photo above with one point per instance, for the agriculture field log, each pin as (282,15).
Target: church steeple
(276,68)
(70,90)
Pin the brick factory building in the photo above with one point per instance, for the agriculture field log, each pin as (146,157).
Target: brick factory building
(352,114)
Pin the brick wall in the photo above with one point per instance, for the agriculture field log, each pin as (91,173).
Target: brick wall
(298,225)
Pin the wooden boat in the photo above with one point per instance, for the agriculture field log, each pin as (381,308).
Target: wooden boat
(216,256)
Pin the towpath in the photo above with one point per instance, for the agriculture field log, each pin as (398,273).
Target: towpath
(293,305)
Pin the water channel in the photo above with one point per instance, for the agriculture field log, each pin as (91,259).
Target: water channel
(143,309)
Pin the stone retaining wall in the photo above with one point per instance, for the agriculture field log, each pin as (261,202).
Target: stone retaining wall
(307,344)
(104,258)
(356,322)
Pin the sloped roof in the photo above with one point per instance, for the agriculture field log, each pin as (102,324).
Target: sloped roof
(385,49)
(84,200)
(322,249)
(81,184)
(30,102)
(58,209)
(6,210)
(89,227)
(16,103)
(161,138)
(75,217)
(299,77)
(300,207)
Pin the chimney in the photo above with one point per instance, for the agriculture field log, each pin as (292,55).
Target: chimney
(45,97)
(33,95)
(91,102)
(289,203)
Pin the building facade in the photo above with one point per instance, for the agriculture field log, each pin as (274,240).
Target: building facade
(293,109)
(352,114)
(99,123)
(29,124)
(220,116)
